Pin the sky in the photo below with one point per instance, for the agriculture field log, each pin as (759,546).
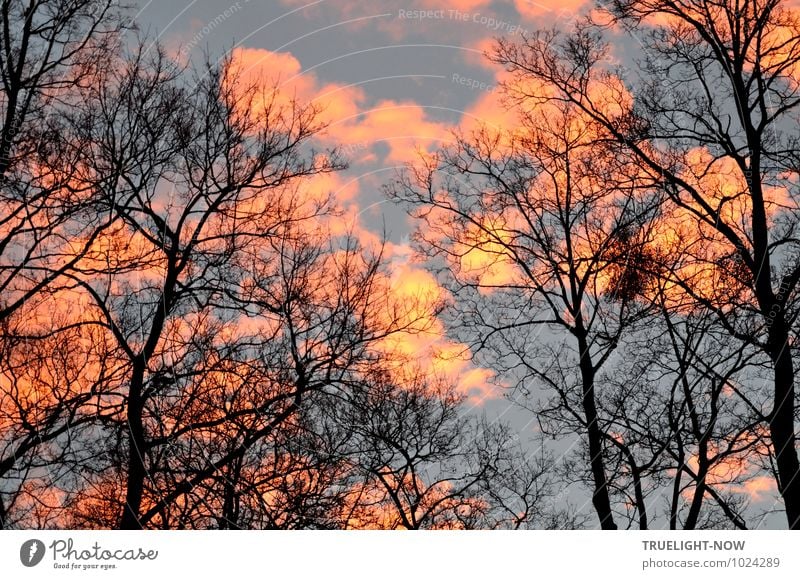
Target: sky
(393,79)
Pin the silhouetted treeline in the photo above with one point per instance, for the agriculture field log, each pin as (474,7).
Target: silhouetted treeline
(188,339)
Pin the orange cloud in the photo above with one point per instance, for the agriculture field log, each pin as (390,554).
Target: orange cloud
(354,128)
(485,259)
(280,74)
(708,262)
(738,473)
(402,125)
(426,346)
(760,488)
(453,4)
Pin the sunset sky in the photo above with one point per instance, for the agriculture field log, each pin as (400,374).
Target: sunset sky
(394,80)
(417,265)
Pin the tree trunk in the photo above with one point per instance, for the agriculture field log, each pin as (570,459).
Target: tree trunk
(229,518)
(600,498)
(638,492)
(700,488)
(136,448)
(781,424)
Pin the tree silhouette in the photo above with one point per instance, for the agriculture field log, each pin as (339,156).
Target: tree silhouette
(426,466)
(48,50)
(190,338)
(530,226)
(710,114)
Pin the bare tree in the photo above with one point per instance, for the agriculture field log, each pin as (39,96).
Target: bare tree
(530,226)
(325,312)
(677,424)
(49,50)
(49,404)
(426,465)
(200,177)
(711,114)
(186,342)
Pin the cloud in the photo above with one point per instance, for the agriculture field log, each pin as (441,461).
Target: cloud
(403,128)
(738,473)
(352,126)
(427,348)
(283,73)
